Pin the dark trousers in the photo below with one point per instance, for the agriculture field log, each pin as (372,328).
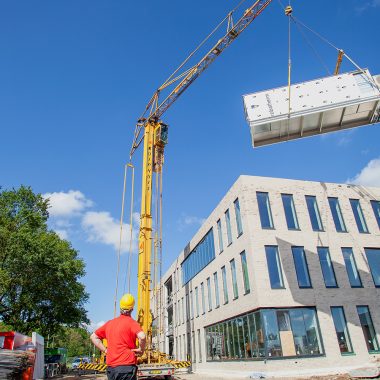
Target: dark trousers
(122,372)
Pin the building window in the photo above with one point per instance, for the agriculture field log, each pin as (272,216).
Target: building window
(337,215)
(290,211)
(368,329)
(352,270)
(302,270)
(225,289)
(203,298)
(191,305)
(234,281)
(239,225)
(183,310)
(193,350)
(342,334)
(199,257)
(197,300)
(373,257)
(199,347)
(220,236)
(376,210)
(327,267)
(209,294)
(228,225)
(359,217)
(274,267)
(315,216)
(187,307)
(264,210)
(265,334)
(216,286)
(180,347)
(244,269)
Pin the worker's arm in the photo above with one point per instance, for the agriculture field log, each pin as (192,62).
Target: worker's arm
(98,342)
(142,342)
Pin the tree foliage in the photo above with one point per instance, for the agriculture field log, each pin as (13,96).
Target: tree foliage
(76,340)
(39,272)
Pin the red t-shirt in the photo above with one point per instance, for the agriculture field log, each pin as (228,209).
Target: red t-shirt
(121,334)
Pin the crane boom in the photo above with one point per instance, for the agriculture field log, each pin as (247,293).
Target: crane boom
(157,109)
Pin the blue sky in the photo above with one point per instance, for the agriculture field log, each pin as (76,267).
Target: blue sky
(75,76)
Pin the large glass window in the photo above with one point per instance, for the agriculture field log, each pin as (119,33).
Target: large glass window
(203,298)
(197,300)
(220,236)
(367,327)
(301,266)
(264,210)
(216,287)
(359,217)
(337,215)
(352,270)
(209,294)
(376,210)
(327,267)
(274,267)
(199,257)
(315,216)
(265,334)
(225,288)
(233,276)
(290,211)
(244,269)
(228,225)
(239,225)
(373,257)
(341,329)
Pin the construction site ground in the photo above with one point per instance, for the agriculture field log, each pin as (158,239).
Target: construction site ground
(192,376)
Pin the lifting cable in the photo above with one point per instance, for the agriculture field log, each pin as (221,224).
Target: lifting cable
(121,233)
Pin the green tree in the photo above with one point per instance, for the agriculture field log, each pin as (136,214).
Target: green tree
(39,272)
(76,340)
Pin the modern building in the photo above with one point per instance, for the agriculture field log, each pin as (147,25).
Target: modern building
(284,275)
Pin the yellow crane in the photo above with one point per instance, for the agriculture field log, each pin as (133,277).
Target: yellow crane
(153,133)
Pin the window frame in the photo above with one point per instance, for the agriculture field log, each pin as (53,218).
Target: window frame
(332,267)
(316,211)
(341,308)
(359,217)
(305,263)
(377,285)
(239,221)
(356,267)
(373,326)
(268,209)
(225,286)
(376,211)
(244,270)
(220,235)
(278,265)
(227,217)
(339,213)
(235,287)
(284,198)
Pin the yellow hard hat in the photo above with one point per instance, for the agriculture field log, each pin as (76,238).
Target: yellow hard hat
(127,302)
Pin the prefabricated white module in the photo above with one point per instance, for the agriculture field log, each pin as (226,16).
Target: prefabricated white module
(324,105)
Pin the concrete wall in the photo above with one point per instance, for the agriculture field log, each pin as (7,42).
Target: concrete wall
(253,240)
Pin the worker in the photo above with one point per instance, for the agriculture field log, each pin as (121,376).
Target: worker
(121,334)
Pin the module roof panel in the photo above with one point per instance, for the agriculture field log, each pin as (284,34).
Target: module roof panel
(323,105)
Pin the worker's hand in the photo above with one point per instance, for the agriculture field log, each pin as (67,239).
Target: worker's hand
(137,351)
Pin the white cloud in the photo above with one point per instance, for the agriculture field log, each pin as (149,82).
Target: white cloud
(92,326)
(63,234)
(367,5)
(101,227)
(67,204)
(369,175)
(188,220)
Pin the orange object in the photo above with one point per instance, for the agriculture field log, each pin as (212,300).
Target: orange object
(121,334)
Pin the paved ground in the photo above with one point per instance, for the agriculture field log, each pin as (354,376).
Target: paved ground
(186,376)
